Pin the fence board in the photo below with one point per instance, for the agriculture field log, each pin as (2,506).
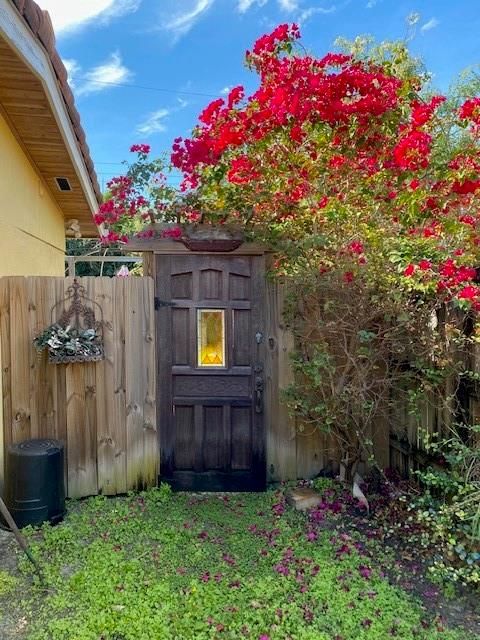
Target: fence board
(281,437)
(119,386)
(6,422)
(150,435)
(310,452)
(20,360)
(57,290)
(140,394)
(103,295)
(76,417)
(42,378)
(135,379)
(84,405)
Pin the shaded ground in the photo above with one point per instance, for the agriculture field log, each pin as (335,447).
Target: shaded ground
(406,568)
(12,623)
(156,566)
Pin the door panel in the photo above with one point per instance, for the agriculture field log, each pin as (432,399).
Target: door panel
(182,286)
(215,449)
(210,405)
(184,437)
(241,438)
(211,284)
(211,386)
(242,336)
(180,336)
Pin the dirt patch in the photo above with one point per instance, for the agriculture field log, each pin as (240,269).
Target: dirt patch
(8,552)
(12,623)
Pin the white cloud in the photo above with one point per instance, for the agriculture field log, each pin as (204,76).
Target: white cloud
(181,23)
(244,5)
(288,5)
(68,16)
(105,75)
(308,13)
(183,103)
(431,24)
(154,123)
(73,70)
(225,91)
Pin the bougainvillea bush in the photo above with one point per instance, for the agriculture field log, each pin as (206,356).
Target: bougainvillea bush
(365,186)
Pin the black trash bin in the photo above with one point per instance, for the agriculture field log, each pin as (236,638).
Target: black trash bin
(34,482)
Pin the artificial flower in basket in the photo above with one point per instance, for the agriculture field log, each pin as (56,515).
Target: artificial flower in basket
(70,344)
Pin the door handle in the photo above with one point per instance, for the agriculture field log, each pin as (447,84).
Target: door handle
(259,387)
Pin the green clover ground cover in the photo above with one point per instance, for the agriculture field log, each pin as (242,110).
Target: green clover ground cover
(159,566)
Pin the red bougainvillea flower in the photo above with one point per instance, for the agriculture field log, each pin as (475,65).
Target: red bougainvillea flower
(140,148)
(193,216)
(211,112)
(413,150)
(365,571)
(268,44)
(311,536)
(468,219)
(424,265)
(423,112)
(111,237)
(322,203)
(278,509)
(470,110)
(242,170)
(174,233)
(334,60)
(466,186)
(356,247)
(409,270)
(337,161)
(469,293)
(235,96)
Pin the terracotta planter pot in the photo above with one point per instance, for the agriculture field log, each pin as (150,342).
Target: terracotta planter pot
(215,239)
(211,245)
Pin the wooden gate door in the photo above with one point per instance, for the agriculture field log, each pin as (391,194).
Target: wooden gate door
(210,326)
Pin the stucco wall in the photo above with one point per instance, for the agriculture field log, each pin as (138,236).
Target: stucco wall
(32,236)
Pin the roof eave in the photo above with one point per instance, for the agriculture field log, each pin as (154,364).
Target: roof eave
(15,31)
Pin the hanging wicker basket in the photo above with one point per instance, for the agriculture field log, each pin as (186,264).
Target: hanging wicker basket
(57,358)
(77,333)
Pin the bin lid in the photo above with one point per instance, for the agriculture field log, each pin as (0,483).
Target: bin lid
(36,447)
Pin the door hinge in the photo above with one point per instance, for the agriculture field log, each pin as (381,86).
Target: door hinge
(162,303)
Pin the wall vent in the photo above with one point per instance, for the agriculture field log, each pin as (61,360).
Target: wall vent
(63,184)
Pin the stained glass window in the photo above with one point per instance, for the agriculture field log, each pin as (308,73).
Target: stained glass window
(211,337)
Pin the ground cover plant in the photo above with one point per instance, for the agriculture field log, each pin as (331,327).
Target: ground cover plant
(160,566)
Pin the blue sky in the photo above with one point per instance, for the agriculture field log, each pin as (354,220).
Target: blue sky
(177,55)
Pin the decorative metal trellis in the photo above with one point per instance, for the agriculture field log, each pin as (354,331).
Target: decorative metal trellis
(76,335)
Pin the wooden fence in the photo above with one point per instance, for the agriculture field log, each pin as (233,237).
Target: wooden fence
(104,412)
